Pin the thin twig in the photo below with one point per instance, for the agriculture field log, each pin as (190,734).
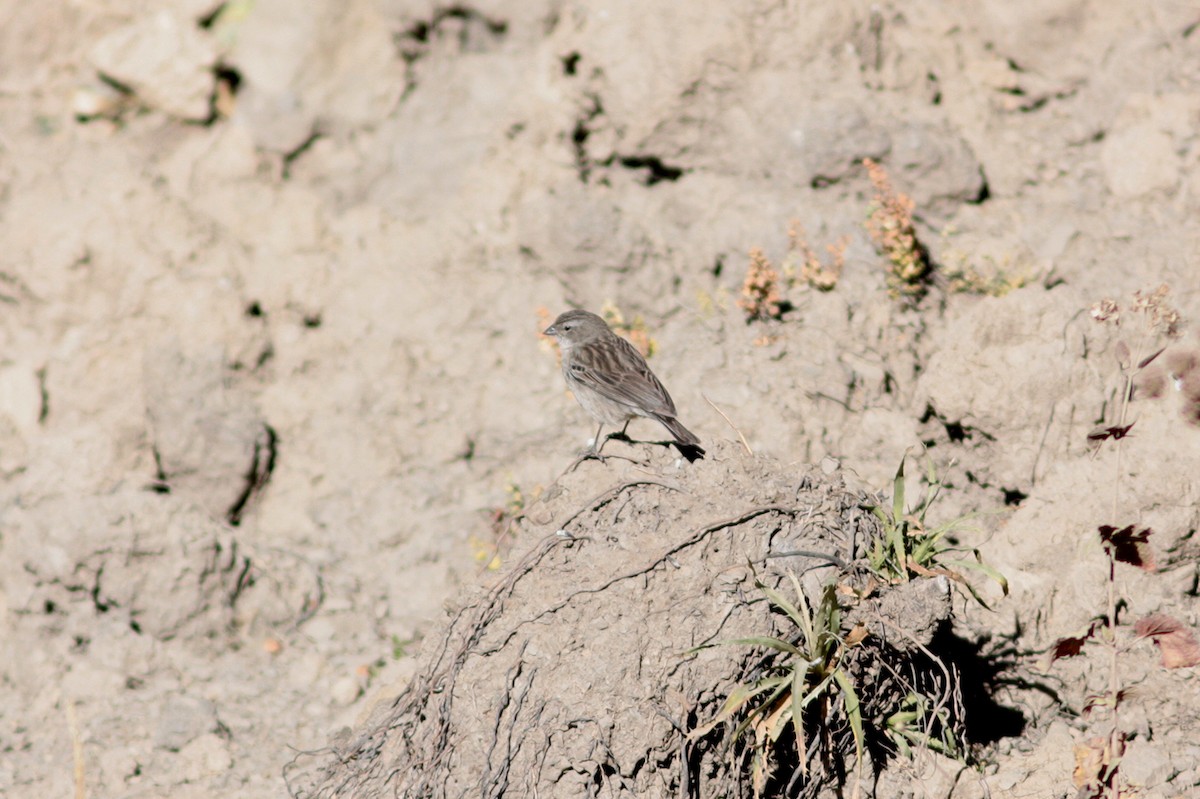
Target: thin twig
(76,751)
(741,437)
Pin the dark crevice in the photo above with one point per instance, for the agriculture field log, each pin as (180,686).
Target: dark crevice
(956,432)
(101,605)
(116,85)
(471,31)
(264,357)
(1013,497)
(159,485)
(44,393)
(581,132)
(424,31)
(226,82)
(984,193)
(262,464)
(229,76)
(570,63)
(290,157)
(208,20)
(657,171)
(1034,104)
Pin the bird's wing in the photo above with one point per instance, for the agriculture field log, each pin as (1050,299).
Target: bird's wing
(634,385)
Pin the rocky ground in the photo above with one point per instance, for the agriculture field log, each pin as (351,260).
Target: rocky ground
(272,382)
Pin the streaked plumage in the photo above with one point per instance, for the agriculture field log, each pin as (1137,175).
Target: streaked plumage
(612,381)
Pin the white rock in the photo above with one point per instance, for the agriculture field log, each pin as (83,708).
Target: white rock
(206,756)
(345,690)
(165,59)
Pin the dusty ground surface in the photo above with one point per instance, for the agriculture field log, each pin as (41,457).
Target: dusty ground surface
(272,280)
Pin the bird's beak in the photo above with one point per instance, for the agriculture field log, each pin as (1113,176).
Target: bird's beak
(550,331)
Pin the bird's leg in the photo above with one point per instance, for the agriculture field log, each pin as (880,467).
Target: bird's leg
(592,453)
(621,436)
(597,443)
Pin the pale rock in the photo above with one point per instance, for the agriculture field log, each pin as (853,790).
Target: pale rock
(165,59)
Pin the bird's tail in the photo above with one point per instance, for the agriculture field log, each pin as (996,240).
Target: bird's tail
(685,440)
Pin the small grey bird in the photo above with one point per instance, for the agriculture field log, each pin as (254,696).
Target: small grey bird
(613,382)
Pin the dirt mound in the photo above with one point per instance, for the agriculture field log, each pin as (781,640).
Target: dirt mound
(579,670)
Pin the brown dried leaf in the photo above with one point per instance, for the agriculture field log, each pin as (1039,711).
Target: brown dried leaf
(1149,359)
(1096,764)
(1176,642)
(1104,700)
(1128,545)
(856,635)
(1069,647)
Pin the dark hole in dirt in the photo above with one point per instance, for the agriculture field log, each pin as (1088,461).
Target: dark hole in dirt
(570,63)
(985,191)
(603,774)
(419,31)
(718,267)
(254,310)
(209,19)
(229,76)
(580,133)
(1013,497)
(49,607)
(657,171)
(133,625)
(312,321)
